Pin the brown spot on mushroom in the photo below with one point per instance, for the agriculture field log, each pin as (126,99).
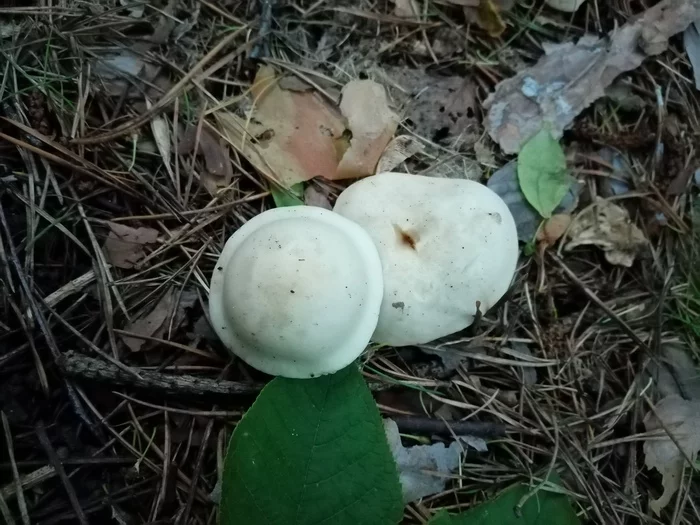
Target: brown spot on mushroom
(407,238)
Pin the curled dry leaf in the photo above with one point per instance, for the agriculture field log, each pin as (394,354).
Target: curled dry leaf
(293,136)
(124,246)
(423,469)
(681,419)
(398,150)
(371,122)
(609,227)
(572,76)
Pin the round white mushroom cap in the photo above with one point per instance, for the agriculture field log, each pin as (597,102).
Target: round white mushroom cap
(445,244)
(296,292)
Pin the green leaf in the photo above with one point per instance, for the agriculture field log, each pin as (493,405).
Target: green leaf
(547,506)
(311,452)
(542,172)
(291,196)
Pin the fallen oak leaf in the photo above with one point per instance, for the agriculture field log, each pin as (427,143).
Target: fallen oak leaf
(679,418)
(610,228)
(570,77)
(124,246)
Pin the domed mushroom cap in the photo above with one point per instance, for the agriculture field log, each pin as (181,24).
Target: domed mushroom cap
(445,244)
(296,292)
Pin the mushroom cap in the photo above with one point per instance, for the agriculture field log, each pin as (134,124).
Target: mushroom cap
(444,245)
(296,292)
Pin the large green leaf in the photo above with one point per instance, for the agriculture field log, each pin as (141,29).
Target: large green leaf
(311,452)
(545,507)
(542,172)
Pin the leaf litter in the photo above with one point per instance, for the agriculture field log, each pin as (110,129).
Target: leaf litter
(571,76)
(609,227)
(679,418)
(292,136)
(218,171)
(125,246)
(424,470)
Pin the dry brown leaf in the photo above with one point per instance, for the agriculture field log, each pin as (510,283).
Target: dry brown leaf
(124,246)
(553,228)
(290,137)
(567,6)
(157,321)
(372,123)
(440,109)
(609,227)
(681,419)
(571,76)
(219,172)
(398,150)
(487,15)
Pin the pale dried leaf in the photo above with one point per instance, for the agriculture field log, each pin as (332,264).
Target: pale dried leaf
(572,76)
(553,228)
(124,246)
(163,139)
(568,6)
(674,372)
(398,150)
(680,418)
(406,8)
(609,227)
(290,136)
(313,196)
(484,154)
(423,469)
(372,123)
(691,41)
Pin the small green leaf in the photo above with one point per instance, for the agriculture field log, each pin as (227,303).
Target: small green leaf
(292,196)
(547,506)
(311,452)
(542,172)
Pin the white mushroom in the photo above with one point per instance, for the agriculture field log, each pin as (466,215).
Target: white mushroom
(445,245)
(296,292)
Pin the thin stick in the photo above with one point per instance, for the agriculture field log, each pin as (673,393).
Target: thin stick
(21,503)
(56,462)
(426,425)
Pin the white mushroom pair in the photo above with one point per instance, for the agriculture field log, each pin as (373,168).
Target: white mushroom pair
(401,260)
